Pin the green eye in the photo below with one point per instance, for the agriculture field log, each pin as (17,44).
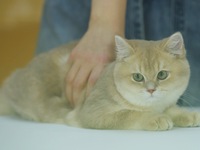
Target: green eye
(138,77)
(162,75)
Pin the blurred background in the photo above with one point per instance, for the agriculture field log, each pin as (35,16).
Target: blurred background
(19,27)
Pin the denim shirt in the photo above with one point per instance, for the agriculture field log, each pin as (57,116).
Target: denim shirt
(67,20)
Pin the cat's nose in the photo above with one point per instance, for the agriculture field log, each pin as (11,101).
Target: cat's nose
(151,90)
(150,87)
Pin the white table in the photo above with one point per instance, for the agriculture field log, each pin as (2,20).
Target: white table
(17,134)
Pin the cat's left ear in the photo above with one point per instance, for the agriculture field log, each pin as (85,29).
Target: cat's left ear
(123,49)
(175,45)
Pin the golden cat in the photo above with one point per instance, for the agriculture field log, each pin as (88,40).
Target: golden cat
(139,90)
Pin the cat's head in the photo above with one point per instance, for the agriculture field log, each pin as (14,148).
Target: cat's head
(151,73)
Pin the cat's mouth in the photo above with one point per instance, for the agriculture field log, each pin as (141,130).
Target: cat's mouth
(152,97)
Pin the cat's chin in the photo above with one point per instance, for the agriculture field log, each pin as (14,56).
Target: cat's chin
(148,97)
(142,101)
(149,100)
(152,99)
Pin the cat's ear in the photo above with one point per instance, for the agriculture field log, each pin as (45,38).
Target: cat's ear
(123,49)
(175,45)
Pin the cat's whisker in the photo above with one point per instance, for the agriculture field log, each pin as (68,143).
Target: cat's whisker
(163,89)
(185,101)
(142,92)
(190,97)
(194,79)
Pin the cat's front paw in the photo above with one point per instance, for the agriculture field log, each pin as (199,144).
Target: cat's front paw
(159,123)
(187,119)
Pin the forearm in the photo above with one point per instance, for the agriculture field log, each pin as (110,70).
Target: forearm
(109,14)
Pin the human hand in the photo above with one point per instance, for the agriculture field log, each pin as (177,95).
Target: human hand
(87,60)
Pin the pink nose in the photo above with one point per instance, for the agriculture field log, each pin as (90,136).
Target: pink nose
(151,90)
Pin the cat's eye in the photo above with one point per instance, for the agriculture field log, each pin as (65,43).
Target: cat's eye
(162,75)
(138,77)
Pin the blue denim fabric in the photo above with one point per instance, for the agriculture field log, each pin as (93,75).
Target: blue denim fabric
(62,21)
(67,20)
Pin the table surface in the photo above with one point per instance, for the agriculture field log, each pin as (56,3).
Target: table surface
(18,134)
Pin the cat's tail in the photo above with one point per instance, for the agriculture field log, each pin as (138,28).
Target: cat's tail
(5,109)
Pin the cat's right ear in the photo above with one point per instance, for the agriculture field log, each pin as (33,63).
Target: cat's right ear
(175,45)
(123,49)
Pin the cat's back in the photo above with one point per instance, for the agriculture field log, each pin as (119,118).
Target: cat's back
(44,74)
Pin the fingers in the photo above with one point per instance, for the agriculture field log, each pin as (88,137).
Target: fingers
(96,72)
(70,81)
(77,79)
(81,78)
(80,82)
(86,62)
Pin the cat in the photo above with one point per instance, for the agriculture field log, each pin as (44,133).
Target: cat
(137,91)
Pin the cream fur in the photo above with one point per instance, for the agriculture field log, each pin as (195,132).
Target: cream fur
(117,101)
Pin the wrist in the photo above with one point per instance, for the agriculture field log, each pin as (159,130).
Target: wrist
(109,26)
(109,15)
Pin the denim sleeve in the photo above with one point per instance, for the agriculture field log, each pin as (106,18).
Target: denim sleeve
(62,22)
